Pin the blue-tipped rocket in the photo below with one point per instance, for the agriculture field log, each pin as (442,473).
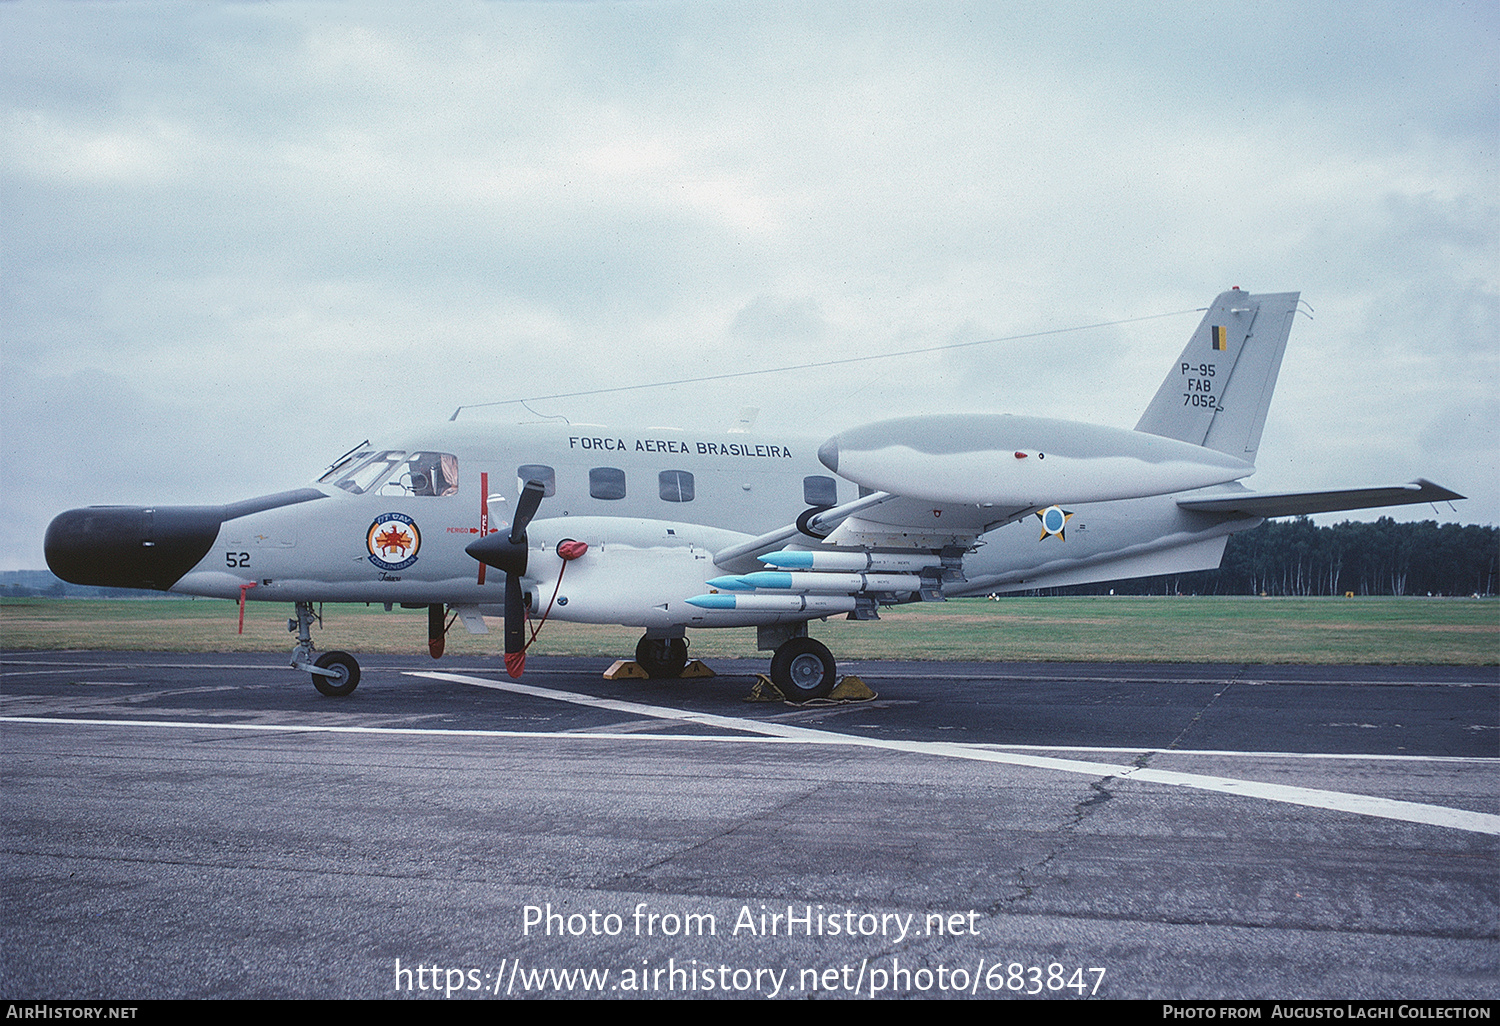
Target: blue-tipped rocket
(828,583)
(889,562)
(819,605)
(732,582)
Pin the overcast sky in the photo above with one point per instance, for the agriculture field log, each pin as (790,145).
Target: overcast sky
(240,238)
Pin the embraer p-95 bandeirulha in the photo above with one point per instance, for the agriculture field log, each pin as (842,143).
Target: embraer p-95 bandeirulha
(668,530)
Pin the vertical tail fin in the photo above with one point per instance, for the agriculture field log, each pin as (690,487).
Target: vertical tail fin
(1217,393)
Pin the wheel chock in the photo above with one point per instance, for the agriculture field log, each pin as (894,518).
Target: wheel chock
(851,689)
(625,669)
(764,691)
(629,669)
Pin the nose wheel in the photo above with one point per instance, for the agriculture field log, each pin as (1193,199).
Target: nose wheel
(340,674)
(803,669)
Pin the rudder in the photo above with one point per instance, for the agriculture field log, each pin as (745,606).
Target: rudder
(1217,393)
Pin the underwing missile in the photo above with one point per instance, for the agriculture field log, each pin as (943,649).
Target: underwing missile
(818,583)
(817,604)
(891,562)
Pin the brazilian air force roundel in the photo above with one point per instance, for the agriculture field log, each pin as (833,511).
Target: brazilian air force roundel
(1054,521)
(393,541)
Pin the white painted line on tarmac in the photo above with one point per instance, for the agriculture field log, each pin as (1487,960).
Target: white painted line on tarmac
(640,735)
(329,728)
(1338,801)
(781,733)
(1248,754)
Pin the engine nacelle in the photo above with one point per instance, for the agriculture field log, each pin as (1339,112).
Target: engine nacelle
(636,572)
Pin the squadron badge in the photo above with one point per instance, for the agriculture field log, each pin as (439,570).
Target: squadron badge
(393,541)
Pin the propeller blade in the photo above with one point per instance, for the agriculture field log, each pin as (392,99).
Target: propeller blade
(508,552)
(531,498)
(515,626)
(437,629)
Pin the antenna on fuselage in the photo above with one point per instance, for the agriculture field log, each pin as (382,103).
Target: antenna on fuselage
(841,362)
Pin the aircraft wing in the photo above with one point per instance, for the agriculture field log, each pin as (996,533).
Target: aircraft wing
(1293,504)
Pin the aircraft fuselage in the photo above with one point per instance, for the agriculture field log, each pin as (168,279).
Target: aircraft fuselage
(654,506)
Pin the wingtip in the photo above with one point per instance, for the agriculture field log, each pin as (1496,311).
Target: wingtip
(1435,492)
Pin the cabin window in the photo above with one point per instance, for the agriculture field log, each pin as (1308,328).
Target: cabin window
(820,491)
(607,483)
(537,472)
(675,485)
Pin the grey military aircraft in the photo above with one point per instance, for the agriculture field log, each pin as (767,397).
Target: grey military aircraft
(668,530)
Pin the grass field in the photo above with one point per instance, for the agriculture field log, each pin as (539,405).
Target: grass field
(1235,630)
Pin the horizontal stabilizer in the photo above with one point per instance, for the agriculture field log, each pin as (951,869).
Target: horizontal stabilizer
(1296,504)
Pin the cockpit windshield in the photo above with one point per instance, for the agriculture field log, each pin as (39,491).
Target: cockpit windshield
(393,473)
(358,454)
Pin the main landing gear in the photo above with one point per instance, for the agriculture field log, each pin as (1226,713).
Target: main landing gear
(662,657)
(334,674)
(803,669)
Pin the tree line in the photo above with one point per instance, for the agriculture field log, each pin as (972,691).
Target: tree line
(1297,557)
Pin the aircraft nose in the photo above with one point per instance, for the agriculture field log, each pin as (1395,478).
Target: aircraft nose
(130,546)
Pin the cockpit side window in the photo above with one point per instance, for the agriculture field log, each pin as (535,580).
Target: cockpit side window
(425,474)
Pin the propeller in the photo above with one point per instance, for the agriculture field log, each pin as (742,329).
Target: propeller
(507,552)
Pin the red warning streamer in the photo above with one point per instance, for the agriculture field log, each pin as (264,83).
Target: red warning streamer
(244,588)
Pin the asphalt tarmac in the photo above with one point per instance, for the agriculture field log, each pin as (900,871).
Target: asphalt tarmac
(183,826)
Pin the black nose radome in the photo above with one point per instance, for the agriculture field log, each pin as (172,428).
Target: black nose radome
(145,546)
(130,546)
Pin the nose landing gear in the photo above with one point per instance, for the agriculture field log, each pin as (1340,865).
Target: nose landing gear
(334,674)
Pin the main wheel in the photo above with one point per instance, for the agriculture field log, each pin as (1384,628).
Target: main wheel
(803,668)
(346,677)
(662,657)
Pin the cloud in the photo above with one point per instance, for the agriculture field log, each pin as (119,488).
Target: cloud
(285,226)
